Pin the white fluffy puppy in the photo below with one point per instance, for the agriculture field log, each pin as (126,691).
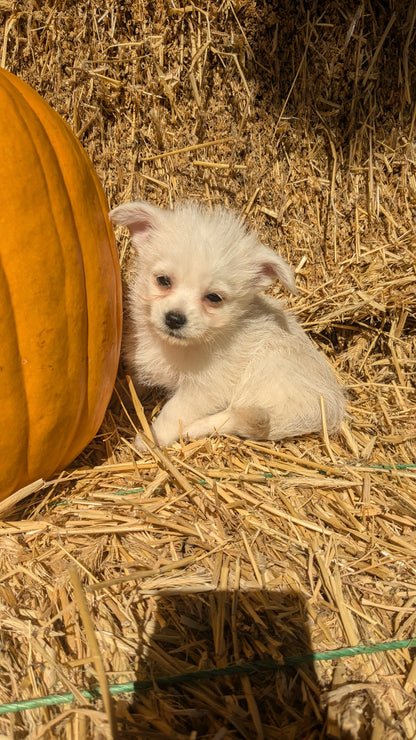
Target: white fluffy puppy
(232,360)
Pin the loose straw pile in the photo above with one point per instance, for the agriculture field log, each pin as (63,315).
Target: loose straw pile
(224,552)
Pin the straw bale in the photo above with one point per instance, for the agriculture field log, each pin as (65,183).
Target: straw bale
(222,551)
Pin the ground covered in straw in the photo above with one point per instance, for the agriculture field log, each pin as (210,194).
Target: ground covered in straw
(220,552)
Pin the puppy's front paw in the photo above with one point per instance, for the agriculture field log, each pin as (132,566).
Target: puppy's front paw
(162,437)
(139,444)
(165,433)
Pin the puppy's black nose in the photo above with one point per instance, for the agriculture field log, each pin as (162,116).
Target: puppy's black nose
(175,320)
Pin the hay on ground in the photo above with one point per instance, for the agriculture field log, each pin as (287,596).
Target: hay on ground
(223,551)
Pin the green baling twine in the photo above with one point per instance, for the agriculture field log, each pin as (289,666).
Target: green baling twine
(240,669)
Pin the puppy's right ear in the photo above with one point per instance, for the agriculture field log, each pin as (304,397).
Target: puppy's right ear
(140,218)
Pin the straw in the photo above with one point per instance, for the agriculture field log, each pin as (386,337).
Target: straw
(221,552)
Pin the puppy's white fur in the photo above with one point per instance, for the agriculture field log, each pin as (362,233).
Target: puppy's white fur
(232,360)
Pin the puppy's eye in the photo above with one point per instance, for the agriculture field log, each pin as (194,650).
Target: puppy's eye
(164,281)
(213,298)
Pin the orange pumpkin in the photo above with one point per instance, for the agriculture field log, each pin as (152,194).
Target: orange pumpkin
(60,292)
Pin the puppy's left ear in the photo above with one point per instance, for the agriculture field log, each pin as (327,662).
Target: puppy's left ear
(269,267)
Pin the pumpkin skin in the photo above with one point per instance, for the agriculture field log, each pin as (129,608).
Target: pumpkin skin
(60,292)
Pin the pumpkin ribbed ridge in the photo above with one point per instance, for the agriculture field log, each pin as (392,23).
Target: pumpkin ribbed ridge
(60,324)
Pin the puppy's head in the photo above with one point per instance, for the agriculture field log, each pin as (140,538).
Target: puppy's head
(196,271)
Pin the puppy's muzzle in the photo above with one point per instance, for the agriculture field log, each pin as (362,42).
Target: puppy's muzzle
(175,320)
